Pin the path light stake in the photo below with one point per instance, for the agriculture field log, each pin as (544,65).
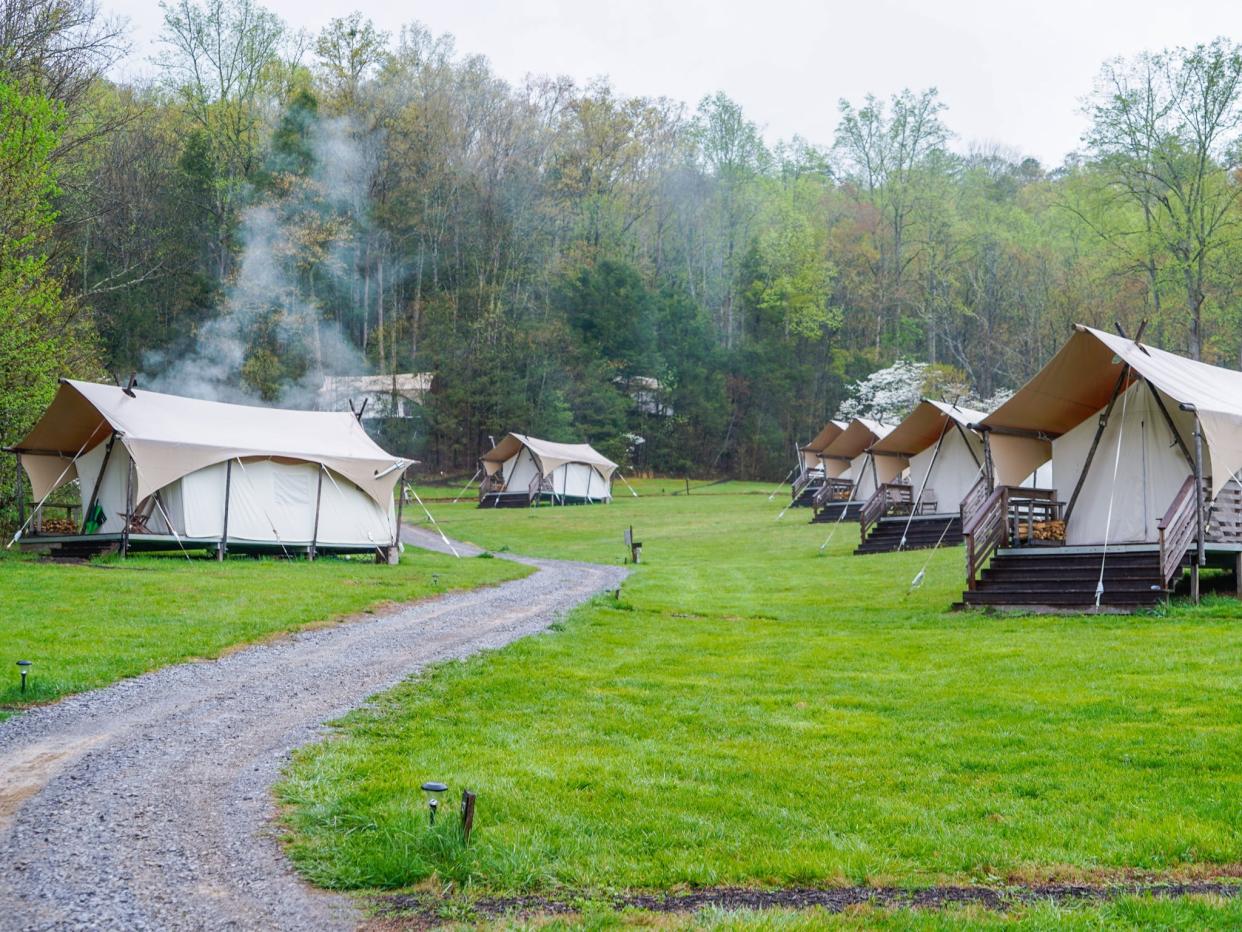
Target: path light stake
(467,815)
(433,789)
(24,667)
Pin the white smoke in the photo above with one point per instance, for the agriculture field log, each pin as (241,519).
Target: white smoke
(266,280)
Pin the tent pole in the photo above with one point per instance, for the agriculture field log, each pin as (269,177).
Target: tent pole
(19,489)
(90,506)
(396,538)
(1168,419)
(223,549)
(1095,442)
(129,506)
(1199,509)
(989,466)
(315,531)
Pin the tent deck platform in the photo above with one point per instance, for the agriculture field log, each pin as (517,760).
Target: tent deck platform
(923,532)
(526,500)
(85,546)
(837,511)
(1054,578)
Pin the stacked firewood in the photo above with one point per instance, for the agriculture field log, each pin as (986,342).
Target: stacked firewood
(58,526)
(1043,530)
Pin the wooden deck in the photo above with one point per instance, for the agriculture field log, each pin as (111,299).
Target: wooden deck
(85,546)
(1009,566)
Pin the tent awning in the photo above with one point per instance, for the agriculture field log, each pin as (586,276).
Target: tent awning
(168,436)
(830,432)
(857,437)
(1079,380)
(550,455)
(923,426)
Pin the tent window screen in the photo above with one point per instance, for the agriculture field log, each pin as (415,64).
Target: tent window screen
(293,487)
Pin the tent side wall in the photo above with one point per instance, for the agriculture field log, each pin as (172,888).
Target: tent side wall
(580,481)
(954,471)
(1150,469)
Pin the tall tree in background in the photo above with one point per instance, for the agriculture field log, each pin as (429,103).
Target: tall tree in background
(1165,128)
(882,149)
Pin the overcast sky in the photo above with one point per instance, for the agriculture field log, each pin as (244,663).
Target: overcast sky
(1011,73)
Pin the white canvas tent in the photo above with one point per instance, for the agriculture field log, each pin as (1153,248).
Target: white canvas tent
(527,470)
(811,451)
(1143,455)
(294,479)
(943,453)
(847,457)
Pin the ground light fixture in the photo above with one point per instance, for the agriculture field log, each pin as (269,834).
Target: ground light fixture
(24,667)
(433,789)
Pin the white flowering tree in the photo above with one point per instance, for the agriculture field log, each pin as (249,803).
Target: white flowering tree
(888,395)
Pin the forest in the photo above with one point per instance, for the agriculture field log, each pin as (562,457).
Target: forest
(266,207)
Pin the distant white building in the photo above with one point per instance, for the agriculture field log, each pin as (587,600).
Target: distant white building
(385,395)
(647,394)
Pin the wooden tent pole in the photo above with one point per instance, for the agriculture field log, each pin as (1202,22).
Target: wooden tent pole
(1168,419)
(315,532)
(1095,442)
(90,506)
(224,534)
(129,505)
(989,467)
(19,489)
(1200,547)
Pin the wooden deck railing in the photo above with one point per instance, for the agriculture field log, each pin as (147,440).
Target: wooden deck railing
(974,500)
(890,498)
(492,483)
(1000,521)
(834,490)
(1177,529)
(1225,515)
(804,479)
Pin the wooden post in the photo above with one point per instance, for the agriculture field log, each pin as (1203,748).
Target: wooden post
(1095,442)
(396,540)
(19,489)
(1199,509)
(315,532)
(90,506)
(687,485)
(989,467)
(223,549)
(129,504)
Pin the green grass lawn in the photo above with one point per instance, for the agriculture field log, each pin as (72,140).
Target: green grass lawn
(85,626)
(754,712)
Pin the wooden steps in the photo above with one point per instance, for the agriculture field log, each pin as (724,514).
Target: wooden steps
(806,496)
(832,512)
(924,532)
(80,550)
(1051,578)
(505,500)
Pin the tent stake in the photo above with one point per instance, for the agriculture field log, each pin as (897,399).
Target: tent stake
(223,549)
(315,531)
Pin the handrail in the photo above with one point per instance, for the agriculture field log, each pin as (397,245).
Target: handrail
(974,499)
(986,532)
(881,503)
(1177,529)
(831,491)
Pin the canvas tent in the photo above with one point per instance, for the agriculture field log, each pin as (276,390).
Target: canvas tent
(810,452)
(522,470)
(1143,454)
(848,458)
(943,453)
(163,470)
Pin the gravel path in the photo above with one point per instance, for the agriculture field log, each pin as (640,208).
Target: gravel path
(146,805)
